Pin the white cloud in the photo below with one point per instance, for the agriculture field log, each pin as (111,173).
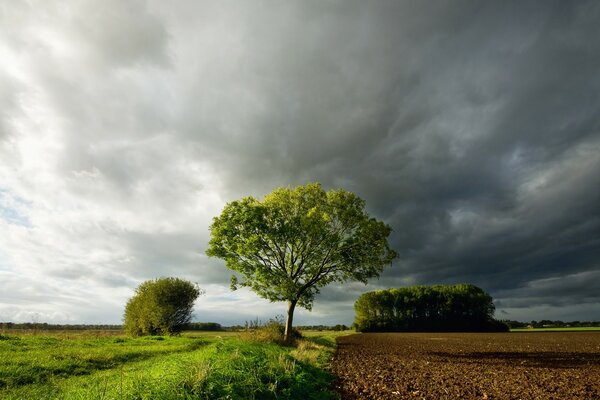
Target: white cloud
(97,194)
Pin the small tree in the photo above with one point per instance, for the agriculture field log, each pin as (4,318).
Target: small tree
(161,306)
(296,241)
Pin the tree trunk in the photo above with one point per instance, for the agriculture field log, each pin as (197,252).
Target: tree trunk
(287,336)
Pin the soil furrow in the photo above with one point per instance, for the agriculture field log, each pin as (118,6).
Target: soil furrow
(468,366)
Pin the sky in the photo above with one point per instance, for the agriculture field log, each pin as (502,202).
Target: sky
(471,128)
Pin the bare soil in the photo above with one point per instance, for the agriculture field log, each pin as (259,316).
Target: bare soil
(552,365)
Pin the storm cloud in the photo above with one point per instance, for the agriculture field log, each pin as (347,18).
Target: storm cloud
(472,128)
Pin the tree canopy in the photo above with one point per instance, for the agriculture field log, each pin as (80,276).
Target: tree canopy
(160,306)
(462,307)
(297,240)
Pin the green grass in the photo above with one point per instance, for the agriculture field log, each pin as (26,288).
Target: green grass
(210,334)
(327,334)
(206,366)
(565,329)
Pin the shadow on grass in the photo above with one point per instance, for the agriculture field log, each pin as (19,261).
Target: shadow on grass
(27,374)
(251,370)
(312,383)
(322,341)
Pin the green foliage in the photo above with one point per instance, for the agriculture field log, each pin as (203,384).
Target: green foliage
(462,307)
(161,306)
(296,241)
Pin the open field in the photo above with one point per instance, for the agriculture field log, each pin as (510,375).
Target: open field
(563,365)
(222,365)
(198,365)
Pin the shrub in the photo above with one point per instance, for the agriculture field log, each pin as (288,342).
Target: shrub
(161,306)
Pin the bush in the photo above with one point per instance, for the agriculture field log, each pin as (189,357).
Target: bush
(161,306)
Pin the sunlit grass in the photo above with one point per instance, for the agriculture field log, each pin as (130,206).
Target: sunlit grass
(41,359)
(208,365)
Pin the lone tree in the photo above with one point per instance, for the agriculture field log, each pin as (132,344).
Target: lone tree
(296,241)
(160,307)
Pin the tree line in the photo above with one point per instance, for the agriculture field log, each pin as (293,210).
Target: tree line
(462,307)
(546,323)
(43,326)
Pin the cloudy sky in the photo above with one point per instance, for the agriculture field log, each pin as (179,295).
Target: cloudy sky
(472,128)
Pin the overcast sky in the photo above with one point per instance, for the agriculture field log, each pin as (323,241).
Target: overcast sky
(472,128)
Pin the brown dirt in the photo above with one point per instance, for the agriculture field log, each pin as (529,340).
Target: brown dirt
(468,366)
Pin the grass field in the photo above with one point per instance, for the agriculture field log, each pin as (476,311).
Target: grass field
(198,365)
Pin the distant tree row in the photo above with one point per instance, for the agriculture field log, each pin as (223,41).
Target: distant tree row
(245,327)
(338,327)
(546,323)
(43,326)
(203,326)
(461,307)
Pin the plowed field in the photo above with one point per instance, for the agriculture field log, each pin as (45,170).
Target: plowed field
(469,366)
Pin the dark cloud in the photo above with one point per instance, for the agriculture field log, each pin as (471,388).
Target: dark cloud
(471,128)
